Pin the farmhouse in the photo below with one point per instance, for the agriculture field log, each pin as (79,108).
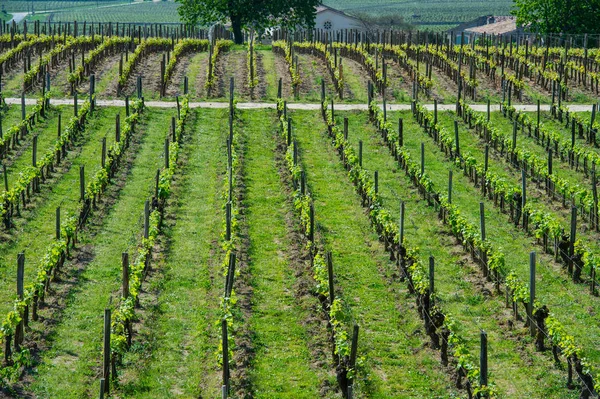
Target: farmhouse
(494,25)
(332,19)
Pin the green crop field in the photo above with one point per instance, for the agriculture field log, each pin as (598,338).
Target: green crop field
(146,12)
(425,11)
(295,219)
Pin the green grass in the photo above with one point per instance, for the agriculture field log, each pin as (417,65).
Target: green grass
(12,83)
(48,5)
(36,229)
(391,333)
(281,366)
(108,77)
(46,132)
(68,369)
(356,85)
(270,79)
(177,343)
(566,300)
(13,116)
(456,277)
(565,132)
(197,75)
(427,10)
(136,12)
(312,71)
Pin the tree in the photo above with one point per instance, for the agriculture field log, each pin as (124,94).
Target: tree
(255,14)
(559,16)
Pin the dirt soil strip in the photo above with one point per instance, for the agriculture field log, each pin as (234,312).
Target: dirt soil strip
(312,71)
(283,72)
(149,69)
(232,64)
(260,91)
(175,85)
(103,71)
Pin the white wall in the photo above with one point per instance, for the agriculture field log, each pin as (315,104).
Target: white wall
(338,21)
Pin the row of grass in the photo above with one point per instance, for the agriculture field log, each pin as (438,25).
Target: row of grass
(554,288)
(175,354)
(36,229)
(395,363)
(282,363)
(460,288)
(68,369)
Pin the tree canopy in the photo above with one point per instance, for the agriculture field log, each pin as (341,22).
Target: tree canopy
(559,16)
(257,14)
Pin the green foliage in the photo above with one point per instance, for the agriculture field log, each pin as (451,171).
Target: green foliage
(559,16)
(248,14)
(71,43)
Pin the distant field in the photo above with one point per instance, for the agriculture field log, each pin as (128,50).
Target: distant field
(150,12)
(425,10)
(49,5)
(430,14)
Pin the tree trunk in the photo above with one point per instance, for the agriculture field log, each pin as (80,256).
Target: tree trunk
(236,25)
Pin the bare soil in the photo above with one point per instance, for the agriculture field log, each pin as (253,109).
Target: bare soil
(284,73)
(232,64)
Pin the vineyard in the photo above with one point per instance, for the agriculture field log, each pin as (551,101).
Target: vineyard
(320,216)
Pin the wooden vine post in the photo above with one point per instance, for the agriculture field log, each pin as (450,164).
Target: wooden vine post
(330,278)
(81,183)
(450,186)
(422,159)
(402,210)
(225,345)
(20,330)
(531,304)
(456,139)
(572,238)
(483,360)
(353,352)
(106,352)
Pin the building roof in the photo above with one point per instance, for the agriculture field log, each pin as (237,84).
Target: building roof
(323,8)
(496,25)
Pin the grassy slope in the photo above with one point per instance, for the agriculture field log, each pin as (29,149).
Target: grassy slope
(12,116)
(68,369)
(197,75)
(281,365)
(35,230)
(312,70)
(46,132)
(458,281)
(530,144)
(177,345)
(271,80)
(565,132)
(567,301)
(391,338)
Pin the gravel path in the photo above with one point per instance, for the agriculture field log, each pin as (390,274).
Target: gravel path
(297,106)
